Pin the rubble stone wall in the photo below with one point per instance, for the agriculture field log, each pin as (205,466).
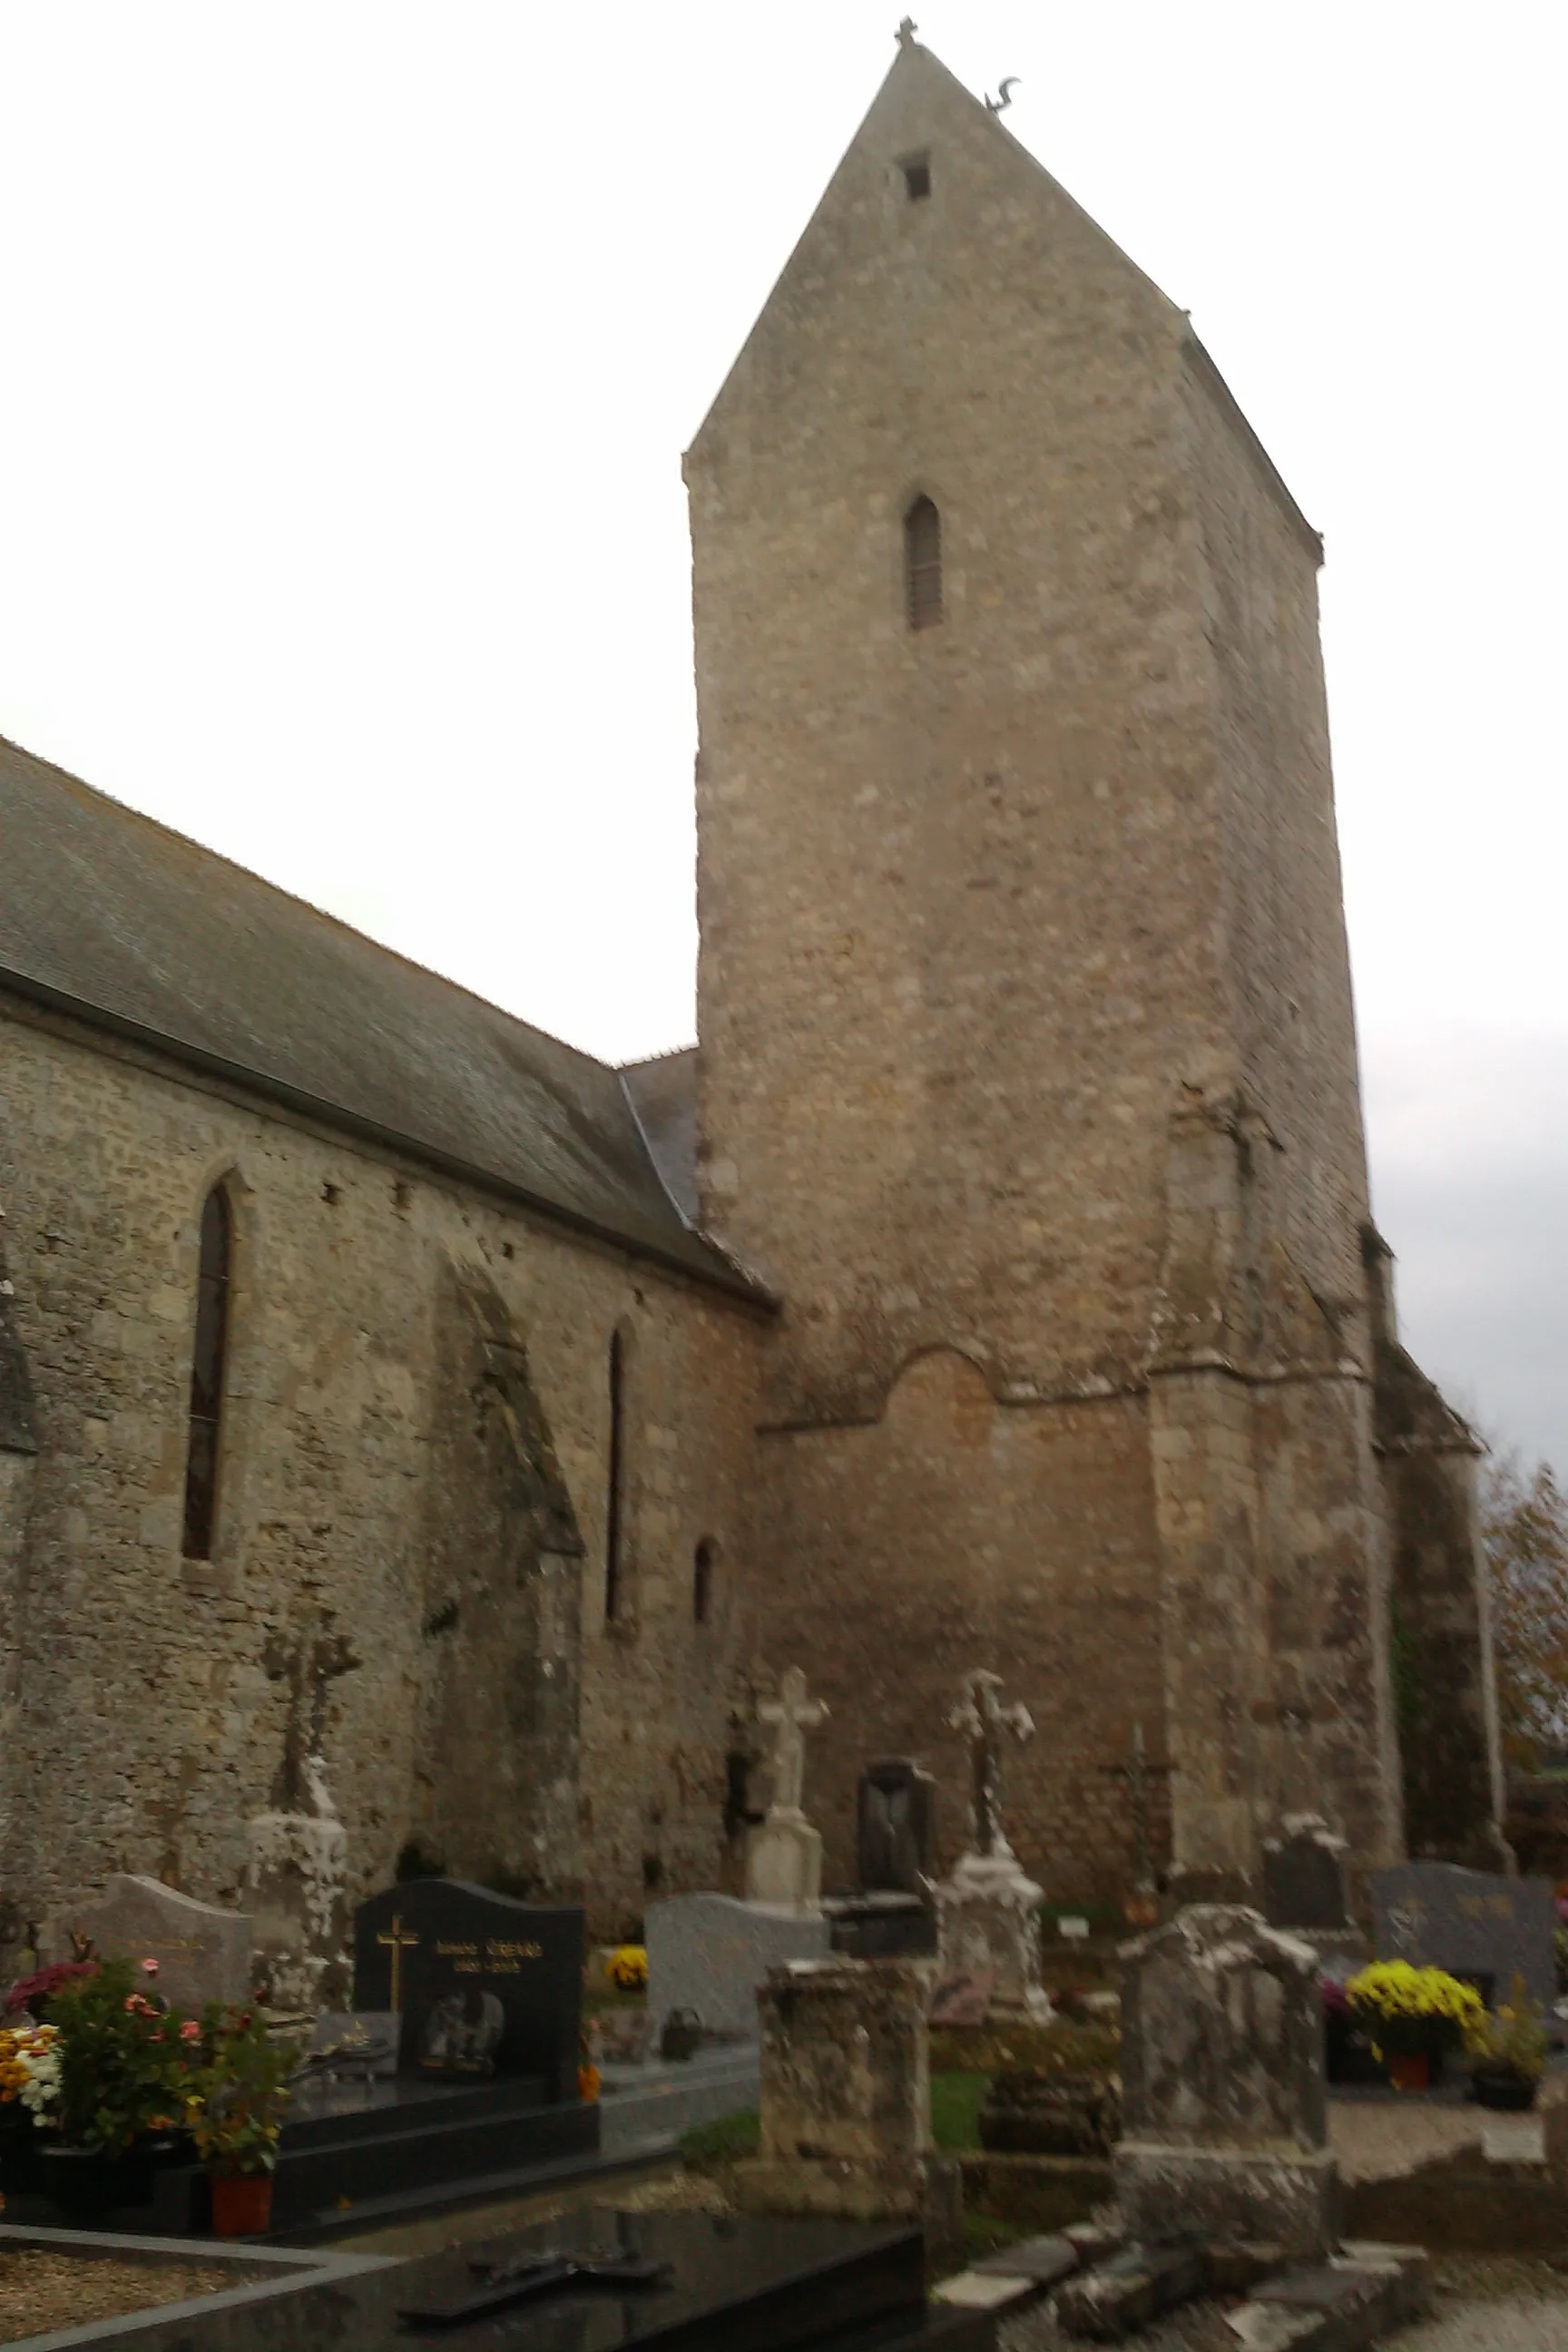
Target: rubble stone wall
(149,1727)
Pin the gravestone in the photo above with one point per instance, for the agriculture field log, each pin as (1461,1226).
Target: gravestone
(709,1953)
(987,1909)
(1474,1924)
(784,1857)
(1304,1889)
(844,2098)
(1303,1875)
(896,1846)
(202,1953)
(1224,2125)
(484,1985)
(891,1913)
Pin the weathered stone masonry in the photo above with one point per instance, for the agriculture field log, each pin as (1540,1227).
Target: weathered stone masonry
(414,1457)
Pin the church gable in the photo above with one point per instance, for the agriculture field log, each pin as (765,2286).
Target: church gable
(939,237)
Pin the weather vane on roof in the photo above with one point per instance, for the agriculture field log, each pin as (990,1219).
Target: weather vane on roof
(1004,98)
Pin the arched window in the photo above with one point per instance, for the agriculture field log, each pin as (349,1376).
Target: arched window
(922,564)
(616,1481)
(703,1561)
(207,1374)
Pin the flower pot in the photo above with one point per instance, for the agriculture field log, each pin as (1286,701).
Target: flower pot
(1410,2070)
(242,2203)
(85,2184)
(1504,2087)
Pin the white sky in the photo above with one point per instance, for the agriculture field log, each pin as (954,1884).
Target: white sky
(347,352)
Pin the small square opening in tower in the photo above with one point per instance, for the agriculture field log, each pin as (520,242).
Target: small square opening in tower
(916,170)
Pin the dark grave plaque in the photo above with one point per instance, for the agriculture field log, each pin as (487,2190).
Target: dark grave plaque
(1473,1923)
(1304,1879)
(897,1827)
(694,2282)
(485,1985)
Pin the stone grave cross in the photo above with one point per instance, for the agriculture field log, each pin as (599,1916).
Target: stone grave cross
(1136,1772)
(984,1720)
(793,1714)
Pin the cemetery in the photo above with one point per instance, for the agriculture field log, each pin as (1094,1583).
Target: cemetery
(907,2108)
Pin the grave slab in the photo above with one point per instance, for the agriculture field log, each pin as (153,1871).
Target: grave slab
(709,1953)
(782,2285)
(1473,1923)
(202,1953)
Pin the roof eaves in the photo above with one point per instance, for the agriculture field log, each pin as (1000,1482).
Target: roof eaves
(704,1263)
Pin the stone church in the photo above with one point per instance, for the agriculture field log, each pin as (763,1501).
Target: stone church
(406,1416)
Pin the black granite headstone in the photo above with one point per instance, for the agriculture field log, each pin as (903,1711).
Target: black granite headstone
(897,1827)
(485,1985)
(1304,1879)
(1477,1925)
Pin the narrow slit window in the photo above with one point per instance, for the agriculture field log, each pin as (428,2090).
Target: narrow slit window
(916,170)
(212,1272)
(702,1560)
(922,564)
(614,1496)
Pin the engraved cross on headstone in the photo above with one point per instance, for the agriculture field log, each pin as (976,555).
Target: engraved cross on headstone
(983,1720)
(795,1715)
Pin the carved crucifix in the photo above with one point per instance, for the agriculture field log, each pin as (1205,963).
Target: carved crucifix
(307,1663)
(793,1714)
(983,1720)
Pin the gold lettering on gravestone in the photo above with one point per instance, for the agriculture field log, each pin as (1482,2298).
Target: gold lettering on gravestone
(500,1958)
(400,1941)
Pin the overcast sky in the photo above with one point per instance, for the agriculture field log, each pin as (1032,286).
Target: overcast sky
(348,349)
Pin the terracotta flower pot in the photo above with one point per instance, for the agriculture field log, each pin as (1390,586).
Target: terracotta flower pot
(242,2203)
(1409,2070)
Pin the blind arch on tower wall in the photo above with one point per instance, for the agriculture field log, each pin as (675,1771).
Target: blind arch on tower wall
(922,563)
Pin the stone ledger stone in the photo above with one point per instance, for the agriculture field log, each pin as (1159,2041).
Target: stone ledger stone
(709,1953)
(1222,2103)
(846,2098)
(202,1953)
(1473,1923)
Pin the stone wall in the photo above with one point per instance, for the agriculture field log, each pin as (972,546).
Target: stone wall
(955,1532)
(1444,1683)
(416,1437)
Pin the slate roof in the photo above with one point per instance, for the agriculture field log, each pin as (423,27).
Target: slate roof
(116,919)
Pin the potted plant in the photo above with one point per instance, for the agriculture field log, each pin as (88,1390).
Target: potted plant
(1411,2017)
(116,2081)
(238,2096)
(1507,2051)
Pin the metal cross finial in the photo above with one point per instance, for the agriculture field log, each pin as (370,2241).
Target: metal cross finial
(982,1718)
(795,1715)
(907,32)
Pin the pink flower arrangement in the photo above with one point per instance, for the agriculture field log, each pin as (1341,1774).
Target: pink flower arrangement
(149,1968)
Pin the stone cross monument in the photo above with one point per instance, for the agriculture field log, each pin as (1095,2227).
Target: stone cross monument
(988,1911)
(784,1857)
(984,1720)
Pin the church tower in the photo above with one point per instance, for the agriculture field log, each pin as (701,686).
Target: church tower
(1027,1067)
